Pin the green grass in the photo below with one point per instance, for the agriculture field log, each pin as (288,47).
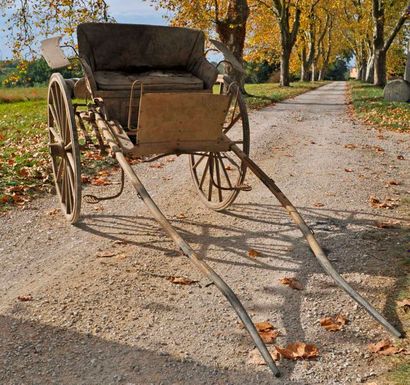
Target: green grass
(268,93)
(11,95)
(371,108)
(24,163)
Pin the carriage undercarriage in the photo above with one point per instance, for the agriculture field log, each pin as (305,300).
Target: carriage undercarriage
(211,127)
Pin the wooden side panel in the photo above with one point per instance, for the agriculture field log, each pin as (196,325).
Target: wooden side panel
(176,118)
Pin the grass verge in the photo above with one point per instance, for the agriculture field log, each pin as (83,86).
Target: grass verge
(265,94)
(12,95)
(370,107)
(24,161)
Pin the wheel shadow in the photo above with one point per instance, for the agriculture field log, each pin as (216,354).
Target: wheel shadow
(341,233)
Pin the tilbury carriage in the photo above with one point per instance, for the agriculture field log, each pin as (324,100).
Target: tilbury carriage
(153,93)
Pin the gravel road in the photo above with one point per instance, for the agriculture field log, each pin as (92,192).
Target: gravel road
(103,312)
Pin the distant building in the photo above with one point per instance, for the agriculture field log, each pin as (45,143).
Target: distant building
(353,73)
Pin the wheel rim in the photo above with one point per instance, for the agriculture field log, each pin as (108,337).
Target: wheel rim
(64,150)
(217,176)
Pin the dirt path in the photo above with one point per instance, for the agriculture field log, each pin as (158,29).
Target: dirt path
(118,320)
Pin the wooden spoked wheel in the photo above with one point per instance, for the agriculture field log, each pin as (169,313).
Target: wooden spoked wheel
(219,176)
(64,148)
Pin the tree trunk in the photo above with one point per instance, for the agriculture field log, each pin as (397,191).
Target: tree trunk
(313,75)
(379,68)
(370,69)
(284,68)
(304,67)
(232,31)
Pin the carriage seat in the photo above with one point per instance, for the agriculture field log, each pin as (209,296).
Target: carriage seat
(152,80)
(163,58)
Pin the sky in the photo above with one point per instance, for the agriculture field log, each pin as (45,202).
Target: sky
(124,11)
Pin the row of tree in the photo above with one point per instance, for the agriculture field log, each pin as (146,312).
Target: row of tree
(300,35)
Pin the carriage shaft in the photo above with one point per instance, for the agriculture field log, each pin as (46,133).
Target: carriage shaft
(183,246)
(312,241)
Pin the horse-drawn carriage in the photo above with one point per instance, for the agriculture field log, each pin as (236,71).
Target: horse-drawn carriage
(151,92)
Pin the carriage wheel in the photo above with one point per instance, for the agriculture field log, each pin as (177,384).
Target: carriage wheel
(64,148)
(219,176)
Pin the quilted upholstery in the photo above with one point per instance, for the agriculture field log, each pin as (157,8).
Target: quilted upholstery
(152,80)
(134,48)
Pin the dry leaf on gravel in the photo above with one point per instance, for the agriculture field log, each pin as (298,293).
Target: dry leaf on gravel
(53,212)
(105,254)
(85,179)
(181,216)
(405,304)
(157,165)
(385,348)
(100,181)
(387,224)
(291,282)
(393,183)
(350,146)
(376,203)
(25,298)
(228,167)
(318,204)
(267,332)
(298,351)
(348,170)
(255,358)
(400,157)
(333,324)
(253,253)
(180,280)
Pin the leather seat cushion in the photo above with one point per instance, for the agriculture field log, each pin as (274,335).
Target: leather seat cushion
(152,81)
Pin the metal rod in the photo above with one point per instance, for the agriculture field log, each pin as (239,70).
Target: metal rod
(197,261)
(313,243)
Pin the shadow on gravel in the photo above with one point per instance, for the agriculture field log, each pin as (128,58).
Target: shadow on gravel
(358,249)
(37,354)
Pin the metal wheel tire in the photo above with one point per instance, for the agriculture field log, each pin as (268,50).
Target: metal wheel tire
(64,147)
(227,170)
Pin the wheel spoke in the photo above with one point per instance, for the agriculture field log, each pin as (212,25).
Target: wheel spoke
(204,174)
(199,161)
(54,115)
(224,171)
(218,179)
(233,121)
(211,172)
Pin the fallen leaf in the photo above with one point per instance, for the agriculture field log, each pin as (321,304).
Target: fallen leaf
(100,181)
(228,167)
(318,204)
(405,304)
(253,253)
(400,157)
(348,170)
(181,216)
(255,358)
(393,183)
(387,224)
(105,254)
(85,179)
(298,351)
(25,298)
(376,203)
(378,149)
(350,146)
(180,280)
(333,324)
(291,282)
(385,348)
(157,165)
(267,332)
(53,212)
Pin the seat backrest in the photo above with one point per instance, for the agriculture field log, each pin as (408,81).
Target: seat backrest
(133,47)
